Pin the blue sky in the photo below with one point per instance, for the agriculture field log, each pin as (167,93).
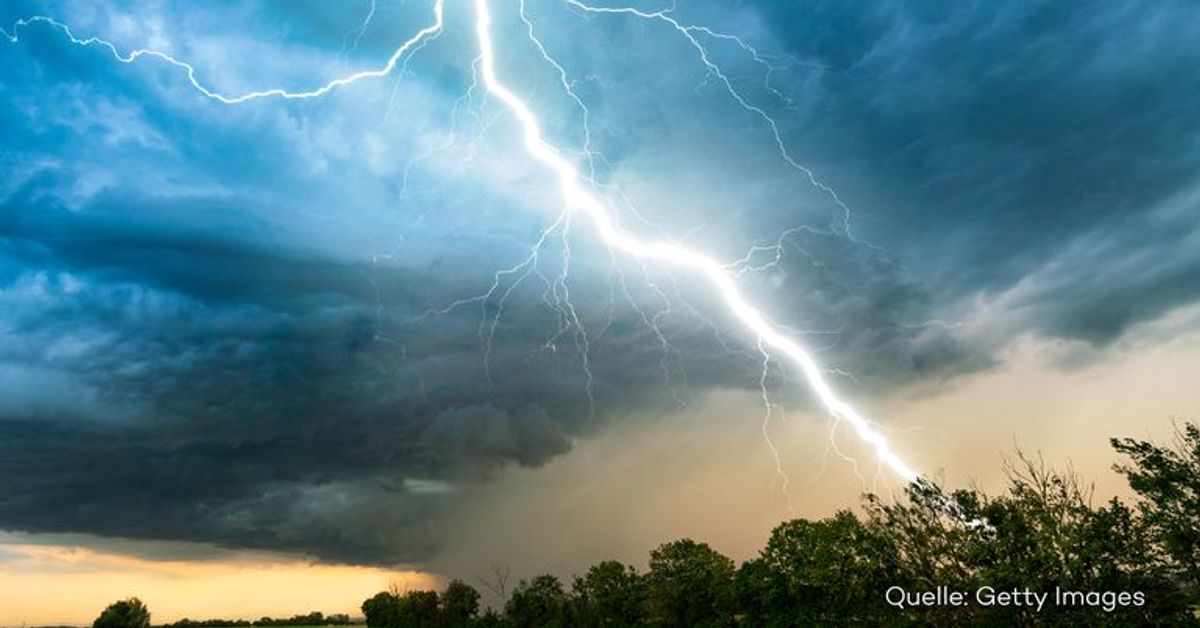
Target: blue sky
(214,319)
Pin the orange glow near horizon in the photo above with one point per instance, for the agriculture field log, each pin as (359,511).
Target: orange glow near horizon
(43,584)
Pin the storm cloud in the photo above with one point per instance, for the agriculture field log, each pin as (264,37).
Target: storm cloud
(289,325)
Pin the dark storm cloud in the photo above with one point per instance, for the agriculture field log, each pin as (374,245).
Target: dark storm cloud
(272,409)
(197,335)
(217,318)
(244,393)
(997,134)
(877,322)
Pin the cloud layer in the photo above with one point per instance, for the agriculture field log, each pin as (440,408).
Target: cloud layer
(233,324)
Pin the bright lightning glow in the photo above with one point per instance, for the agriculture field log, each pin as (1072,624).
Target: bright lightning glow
(576,197)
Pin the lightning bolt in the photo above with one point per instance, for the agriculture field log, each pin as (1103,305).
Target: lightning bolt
(277,92)
(578,201)
(361,29)
(690,33)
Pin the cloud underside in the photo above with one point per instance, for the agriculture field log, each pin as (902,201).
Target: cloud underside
(226,325)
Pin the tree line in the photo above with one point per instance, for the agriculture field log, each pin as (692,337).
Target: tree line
(133,613)
(315,618)
(896,564)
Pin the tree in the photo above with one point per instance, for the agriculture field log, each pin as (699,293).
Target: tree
(609,594)
(130,613)
(1042,534)
(418,609)
(818,572)
(382,610)
(538,603)
(489,619)
(459,604)
(1046,533)
(689,584)
(1168,481)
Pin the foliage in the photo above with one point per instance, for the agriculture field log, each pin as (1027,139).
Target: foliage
(689,584)
(131,613)
(456,607)
(812,571)
(314,618)
(459,604)
(538,603)
(609,594)
(382,610)
(1168,480)
(1042,533)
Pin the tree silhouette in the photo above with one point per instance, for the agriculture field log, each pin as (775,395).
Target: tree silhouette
(813,570)
(689,584)
(382,610)
(1042,533)
(538,603)
(609,594)
(1168,480)
(130,613)
(459,604)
